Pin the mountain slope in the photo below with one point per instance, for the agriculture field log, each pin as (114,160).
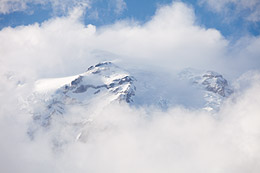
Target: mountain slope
(106,83)
(214,86)
(101,85)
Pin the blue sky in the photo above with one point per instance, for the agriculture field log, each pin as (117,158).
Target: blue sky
(232,22)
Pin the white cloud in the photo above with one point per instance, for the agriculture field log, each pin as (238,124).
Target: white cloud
(124,139)
(120,6)
(7,6)
(249,9)
(171,38)
(59,6)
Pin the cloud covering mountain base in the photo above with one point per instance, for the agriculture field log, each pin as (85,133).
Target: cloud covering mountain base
(120,138)
(124,139)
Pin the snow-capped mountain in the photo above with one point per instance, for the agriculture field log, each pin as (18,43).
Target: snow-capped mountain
(214,86)
(106,83)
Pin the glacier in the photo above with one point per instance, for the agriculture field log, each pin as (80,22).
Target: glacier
(106,83)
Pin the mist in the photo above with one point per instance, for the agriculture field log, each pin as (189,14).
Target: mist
(121,138)
(124,139)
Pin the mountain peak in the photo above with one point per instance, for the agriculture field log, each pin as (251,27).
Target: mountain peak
(213,84)
(100,65)
(105,82)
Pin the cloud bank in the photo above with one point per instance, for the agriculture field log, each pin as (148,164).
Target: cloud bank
(171,39)
(125,139)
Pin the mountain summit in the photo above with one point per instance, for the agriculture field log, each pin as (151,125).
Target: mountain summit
(214,86)
(100,85)
(106,83)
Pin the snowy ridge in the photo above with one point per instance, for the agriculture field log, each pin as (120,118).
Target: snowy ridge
(215,86)
(104,81)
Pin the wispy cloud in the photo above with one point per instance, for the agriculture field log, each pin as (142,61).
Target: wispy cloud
(120,6)
(58,6)
(248,9)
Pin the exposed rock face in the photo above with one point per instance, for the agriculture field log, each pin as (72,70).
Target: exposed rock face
(215,82)
(215,86)
(106,83)
(104,80)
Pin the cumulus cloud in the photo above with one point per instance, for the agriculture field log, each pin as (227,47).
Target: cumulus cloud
(171,39)
(248,9)
(121,138)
